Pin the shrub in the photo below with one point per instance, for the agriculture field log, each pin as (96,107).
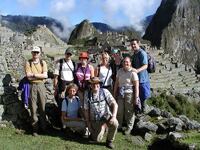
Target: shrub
(176,104)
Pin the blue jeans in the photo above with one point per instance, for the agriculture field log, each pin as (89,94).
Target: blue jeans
(145,93)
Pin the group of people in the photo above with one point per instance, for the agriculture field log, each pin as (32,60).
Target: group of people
(92,99)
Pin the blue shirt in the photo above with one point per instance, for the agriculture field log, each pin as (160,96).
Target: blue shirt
(71,107)
(139,59)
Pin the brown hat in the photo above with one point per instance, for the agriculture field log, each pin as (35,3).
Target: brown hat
(83,55)
(94,80)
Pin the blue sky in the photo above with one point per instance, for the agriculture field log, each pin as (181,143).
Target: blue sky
(113,12)
(71,12)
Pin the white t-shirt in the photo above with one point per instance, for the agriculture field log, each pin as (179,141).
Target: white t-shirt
(103,73)
(66,73)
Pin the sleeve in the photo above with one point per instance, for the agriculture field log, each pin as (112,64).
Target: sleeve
(64,106)
(44,66)
(144,59)
(86,104)
(57,67)
(109,96)
(27,68)
(134,76)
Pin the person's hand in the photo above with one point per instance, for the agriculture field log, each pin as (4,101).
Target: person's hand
(134,70)
(112,120)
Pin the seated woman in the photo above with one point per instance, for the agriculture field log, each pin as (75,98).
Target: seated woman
(71,114)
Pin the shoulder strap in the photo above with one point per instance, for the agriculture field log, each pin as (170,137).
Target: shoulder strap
(105,98)
(30,62)
(106,75)
(98,69)
(84,72)
(41,62)
(69,66)
(60,68)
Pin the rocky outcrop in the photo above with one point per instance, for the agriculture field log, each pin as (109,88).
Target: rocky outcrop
(84,30)
(45,38)
(86,34)
(176,28)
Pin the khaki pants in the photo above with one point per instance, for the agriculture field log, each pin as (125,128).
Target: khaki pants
(126,110)
(98,132)
(38,100)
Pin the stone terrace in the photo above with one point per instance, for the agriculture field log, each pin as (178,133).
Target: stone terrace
(176,77)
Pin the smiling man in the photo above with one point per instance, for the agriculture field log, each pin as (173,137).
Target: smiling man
(36,72)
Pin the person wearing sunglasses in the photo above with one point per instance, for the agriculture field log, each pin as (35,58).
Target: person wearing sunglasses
(36,72)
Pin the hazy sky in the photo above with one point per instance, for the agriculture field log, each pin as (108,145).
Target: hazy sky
(113,12)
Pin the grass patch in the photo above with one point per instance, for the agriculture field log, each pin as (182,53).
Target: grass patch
(177,105)
(192,138)
(13,139)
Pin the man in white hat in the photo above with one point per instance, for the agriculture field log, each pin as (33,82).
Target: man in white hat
(100,112)
(36,72)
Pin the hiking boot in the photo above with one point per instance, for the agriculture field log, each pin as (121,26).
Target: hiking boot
(109,144)
(35,134)
(127,131)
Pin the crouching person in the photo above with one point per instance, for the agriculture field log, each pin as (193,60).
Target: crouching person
(100,112)
(71,111)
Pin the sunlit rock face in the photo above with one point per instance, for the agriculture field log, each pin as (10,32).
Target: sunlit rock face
(176,28)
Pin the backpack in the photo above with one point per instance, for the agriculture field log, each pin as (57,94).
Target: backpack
(151,63)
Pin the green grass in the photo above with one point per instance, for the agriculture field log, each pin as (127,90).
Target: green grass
(13,139)
(192,138)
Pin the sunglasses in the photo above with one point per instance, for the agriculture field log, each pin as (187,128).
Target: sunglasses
(69,54)
(36,52)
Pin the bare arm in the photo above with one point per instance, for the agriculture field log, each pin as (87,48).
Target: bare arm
(96,71)
(40,75)
(55,81)
(114,107)
(136,89)
(63,116)
(116,87)
(144,67)
(92,71)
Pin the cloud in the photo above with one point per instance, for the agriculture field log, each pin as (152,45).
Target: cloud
(27,3)
(62,6)
(133,10)
(60,9)
(67,28)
